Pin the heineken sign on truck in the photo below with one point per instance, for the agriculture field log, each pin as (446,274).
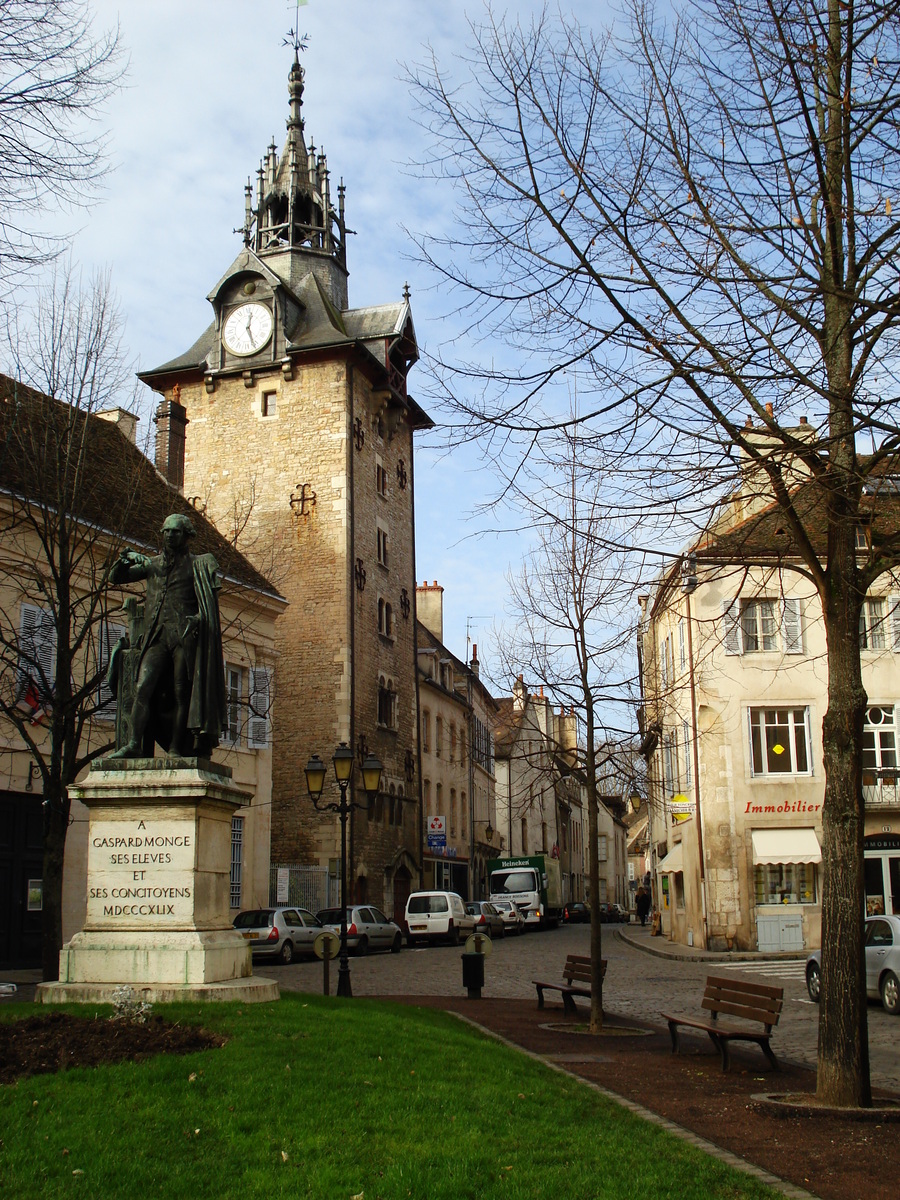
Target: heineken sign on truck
(532,883)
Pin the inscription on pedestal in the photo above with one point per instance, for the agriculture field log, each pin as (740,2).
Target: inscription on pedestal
(141,872)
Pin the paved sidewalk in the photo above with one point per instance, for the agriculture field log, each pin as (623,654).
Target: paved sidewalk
(641,938)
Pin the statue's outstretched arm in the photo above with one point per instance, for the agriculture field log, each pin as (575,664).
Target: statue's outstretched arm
(129,567)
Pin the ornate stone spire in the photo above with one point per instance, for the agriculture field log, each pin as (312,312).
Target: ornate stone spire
(290,220)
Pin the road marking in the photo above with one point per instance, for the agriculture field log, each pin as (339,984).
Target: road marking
(790,970)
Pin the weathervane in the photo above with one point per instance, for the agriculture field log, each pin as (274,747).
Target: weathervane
(295,38)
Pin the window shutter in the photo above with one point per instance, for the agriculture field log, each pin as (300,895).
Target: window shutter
(260,700)
(731,626)
(37,635)
(894,619)
(791,627)
(110,636)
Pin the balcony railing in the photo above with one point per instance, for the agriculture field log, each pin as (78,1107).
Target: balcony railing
(881,787)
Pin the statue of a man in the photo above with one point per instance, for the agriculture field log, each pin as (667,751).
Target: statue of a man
(176,664)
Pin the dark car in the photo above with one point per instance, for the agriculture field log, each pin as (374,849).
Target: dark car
(610,914)
(576,913)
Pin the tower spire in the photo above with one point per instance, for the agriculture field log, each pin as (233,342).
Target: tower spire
(292,220)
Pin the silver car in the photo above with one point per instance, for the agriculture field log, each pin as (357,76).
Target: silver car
(367,928)
(513,921)
(882,964)
(488,918)
(278,933)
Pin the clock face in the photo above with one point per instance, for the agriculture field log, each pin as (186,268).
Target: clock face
(247,329)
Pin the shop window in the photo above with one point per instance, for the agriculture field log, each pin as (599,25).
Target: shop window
(678,890)
(779,741)
(785,883)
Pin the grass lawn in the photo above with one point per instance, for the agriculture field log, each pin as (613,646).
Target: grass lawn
(320,1097)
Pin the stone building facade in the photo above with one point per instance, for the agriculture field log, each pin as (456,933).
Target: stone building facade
(456,740)
(298,443)
(734,674)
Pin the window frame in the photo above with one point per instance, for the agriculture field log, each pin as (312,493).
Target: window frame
(759,762)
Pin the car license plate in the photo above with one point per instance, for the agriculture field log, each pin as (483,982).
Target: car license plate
(251,936)
(416,928)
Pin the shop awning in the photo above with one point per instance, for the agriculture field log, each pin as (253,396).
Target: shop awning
(786,846)
(672,863)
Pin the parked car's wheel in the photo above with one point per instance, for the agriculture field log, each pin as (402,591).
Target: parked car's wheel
(362,946)
(397,943)
(890,993)
(287,953)
(814,981)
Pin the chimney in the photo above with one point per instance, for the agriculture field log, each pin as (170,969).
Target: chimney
(430,608)
(124,421)
(475,665)
(171,423)
(520,695)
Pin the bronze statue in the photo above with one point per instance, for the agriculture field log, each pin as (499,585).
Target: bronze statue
(169,678)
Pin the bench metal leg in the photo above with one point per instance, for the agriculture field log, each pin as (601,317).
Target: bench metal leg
(770,1054)
(540,994)
(673,1033)
(569,1005)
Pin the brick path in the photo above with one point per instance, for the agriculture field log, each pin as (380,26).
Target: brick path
(638,984)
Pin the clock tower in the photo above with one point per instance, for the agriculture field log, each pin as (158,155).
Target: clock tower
(290,423)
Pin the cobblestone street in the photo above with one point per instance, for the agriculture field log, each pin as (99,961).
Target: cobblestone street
(638,984)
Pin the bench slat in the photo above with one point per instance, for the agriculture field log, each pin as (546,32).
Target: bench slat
(755,1002)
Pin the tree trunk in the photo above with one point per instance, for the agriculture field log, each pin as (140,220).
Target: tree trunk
(843,1062)
(594,877)
(56,824)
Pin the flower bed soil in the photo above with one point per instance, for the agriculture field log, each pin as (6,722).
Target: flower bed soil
(45,1044)
(834,1158)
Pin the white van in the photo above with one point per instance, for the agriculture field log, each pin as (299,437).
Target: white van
(437,915)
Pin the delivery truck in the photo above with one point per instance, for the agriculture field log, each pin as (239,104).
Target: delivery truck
(532,882)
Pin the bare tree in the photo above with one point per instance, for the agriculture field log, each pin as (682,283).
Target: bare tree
(69,488)
(55,74)
(701,209)
(566,631)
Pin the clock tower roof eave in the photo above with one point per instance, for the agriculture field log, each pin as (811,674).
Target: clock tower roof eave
(194,359)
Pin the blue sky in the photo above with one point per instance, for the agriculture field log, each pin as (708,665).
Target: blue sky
(206,91)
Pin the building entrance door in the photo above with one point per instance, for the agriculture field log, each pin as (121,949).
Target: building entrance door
(882,871)
(402,888)
(21,867)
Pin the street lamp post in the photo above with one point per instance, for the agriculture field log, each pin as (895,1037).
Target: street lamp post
(315,782)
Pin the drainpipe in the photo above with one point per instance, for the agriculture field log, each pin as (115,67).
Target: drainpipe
(688,587)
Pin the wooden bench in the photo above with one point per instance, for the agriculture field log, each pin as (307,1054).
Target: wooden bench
(578,967)
(736,998)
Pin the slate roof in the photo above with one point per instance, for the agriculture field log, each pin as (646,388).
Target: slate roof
(117,488)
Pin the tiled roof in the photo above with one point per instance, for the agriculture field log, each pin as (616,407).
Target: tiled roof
(117,488)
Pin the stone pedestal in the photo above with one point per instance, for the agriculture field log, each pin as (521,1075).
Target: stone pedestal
(158,888)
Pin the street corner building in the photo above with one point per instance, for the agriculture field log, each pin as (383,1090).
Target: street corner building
(733,665)
(289,421)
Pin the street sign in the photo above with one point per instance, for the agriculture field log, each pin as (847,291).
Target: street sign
(436,832)
(680,809)
(282,885)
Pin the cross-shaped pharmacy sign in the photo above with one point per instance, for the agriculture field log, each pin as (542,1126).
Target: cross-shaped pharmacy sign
(436,832)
